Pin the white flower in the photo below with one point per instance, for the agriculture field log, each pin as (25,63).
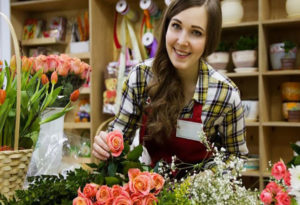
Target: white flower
(295,178)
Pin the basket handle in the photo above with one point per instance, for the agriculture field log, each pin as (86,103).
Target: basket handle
(18,64)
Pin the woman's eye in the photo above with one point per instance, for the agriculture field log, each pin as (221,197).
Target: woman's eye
(175,25)
(196,33)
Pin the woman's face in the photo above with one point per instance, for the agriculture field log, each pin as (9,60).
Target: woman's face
(186,38)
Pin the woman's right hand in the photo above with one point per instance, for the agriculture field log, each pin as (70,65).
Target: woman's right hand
(100,147)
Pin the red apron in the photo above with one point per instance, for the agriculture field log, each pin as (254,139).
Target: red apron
(189,151)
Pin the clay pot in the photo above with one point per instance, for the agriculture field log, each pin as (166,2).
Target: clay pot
(288,63)
(290,91)
(287,106)
(244,59)
(294,115)
(218,60)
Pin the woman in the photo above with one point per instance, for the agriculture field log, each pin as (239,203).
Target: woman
(179,94)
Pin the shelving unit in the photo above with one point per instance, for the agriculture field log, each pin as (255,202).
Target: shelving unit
(269,137)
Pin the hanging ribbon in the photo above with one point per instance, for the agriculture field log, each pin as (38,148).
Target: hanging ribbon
(116,41)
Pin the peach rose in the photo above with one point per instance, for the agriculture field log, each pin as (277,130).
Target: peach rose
(278,170)
(90,190)
(115,142)
(103,194)
(150,199)
(137,198)
(141,183)
(122,200)
(133,172)
(266,197)
(116,191)
(82,201)
(159,182)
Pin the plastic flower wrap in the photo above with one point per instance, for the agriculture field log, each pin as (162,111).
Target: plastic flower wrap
(37,93)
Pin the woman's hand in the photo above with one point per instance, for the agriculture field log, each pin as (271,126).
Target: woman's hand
(100,147)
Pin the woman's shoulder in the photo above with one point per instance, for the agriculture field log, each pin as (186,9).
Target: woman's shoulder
(141,72)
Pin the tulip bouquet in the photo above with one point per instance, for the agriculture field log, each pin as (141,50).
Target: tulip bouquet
(37,93)
(72,74)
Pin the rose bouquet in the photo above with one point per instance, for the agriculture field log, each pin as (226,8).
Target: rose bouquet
(72,74)
(37,93)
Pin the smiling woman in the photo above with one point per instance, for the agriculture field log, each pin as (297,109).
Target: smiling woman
(177,94)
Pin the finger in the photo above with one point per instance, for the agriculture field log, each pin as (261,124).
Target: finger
(102,137)
(100,150)
(98,156)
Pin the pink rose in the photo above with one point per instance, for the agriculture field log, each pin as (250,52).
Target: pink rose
(90,190)
(115,142)
(149,200)
(266,197)
(142,183)
(109,201)
(159,182)
(116,191)
(278,170)
(137,198)
(283,198)
(287,178)
(122,200)
(103,194)
(82,201)
(273,188)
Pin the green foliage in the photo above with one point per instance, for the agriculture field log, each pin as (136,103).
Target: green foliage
(296,159)
(246,43)
(223,47)
(288,45)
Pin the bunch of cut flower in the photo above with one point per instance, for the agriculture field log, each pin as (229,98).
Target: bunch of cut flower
(284,185)
(72,73)
(221,185)
(37,93)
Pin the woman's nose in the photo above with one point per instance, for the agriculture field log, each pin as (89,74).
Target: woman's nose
(183,38)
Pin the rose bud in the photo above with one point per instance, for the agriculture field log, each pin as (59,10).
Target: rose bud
(54,78)
(74,95)
(45,79)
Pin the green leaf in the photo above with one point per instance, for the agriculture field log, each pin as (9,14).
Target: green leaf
(135,153)
(296,148)
(297,160)
(25,142)
(126,148)
(112,168)
(129,164)
(110,181)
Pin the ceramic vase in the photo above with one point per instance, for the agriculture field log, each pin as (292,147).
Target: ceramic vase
(293,8)
(232,11)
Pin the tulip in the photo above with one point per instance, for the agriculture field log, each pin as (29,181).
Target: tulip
(26,63)
(13,63)
(1,65)
(2,96)
(75,95)
(45,79)
(54,78)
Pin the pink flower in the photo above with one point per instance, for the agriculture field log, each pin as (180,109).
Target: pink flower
(283,198)
(41,63)
(115,142)
(159,182)
(137,198)
(266,196)
(103,194)
(273,188)
(82,201)
(122,200)
(76,66)
(132,173)
(149,200)
(116,191)
(52,62)
(287,178)
(142,183)
(90,190)
(278,170)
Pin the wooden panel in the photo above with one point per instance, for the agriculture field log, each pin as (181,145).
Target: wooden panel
(248,87)
(250,10)
(252,140)
(277,9)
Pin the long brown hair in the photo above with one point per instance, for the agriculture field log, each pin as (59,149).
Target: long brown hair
(165,91)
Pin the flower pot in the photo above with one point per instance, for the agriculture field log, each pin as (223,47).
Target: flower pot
(244,59)
(276,53)
(232,11)
(287,106)
(288,63)
(250,108)
(290,91)
(294,115)
(293,8)
(218,60)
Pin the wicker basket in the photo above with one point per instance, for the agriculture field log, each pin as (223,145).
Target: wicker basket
(14,164)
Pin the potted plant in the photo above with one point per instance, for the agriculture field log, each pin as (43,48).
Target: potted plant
(290,51)
(220,58)
(245,56)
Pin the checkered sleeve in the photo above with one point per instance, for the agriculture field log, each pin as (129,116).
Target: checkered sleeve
(233,129)
(130,110)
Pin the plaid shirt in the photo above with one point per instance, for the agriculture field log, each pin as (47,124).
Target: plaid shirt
(222,113)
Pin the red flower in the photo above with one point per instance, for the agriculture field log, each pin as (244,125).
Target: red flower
(115,142)
(283,198)
(74,95)
(45,79)
(278,170)
(266,196)
(2,96)
(287,178)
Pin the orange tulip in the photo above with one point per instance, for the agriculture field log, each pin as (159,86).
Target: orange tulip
(2,96)
(13,63)
(75,95)
(1,65)
(54,78)
(45,79)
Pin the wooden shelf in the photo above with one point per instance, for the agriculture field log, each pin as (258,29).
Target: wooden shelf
(236,75)
(281,72)
(85,91)
(81,160)
(241,25)
(267,174)
(281,124)
(49,5)
(86,55)
(252,124)
(42,41)
(77,125)
(254,173)
(281,22)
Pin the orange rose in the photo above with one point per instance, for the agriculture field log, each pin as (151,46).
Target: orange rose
(45,79)
(2,96)
(137,198)
(142,183)
(122,200)
(82,201)
(90,190)
(115,142)
(116,191)
(74,95)
(103,194)
(159,182)
(149,200)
